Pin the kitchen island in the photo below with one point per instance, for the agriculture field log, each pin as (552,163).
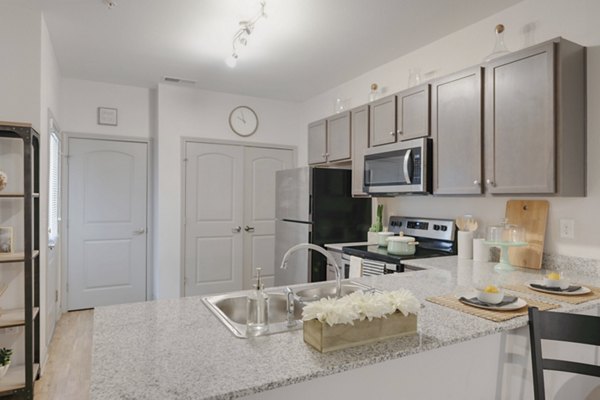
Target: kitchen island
(177,349)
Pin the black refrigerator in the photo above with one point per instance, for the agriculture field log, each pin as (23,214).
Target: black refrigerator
(315,205)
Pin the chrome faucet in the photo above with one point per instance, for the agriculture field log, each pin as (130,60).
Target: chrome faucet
(330,259)
(289,294)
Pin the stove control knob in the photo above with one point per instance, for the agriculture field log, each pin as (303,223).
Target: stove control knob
(444,228)
(436,227)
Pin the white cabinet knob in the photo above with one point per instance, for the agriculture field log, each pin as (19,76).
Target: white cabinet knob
(476,182)
(399,132)
(490,182)
(392,133)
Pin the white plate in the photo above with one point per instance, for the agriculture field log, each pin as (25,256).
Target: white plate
(520,303)
(582,290)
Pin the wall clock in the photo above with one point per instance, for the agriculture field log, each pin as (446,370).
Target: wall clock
(243,121)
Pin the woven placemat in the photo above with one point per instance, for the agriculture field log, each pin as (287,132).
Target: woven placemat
(578,299)
(451,301)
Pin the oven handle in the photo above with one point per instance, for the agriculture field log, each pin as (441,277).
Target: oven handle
(406,159)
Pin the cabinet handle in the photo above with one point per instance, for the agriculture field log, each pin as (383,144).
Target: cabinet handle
(476,182)
(490,182)
(392,133)
(249,228)
(139,231)
(399,132)
(237,229)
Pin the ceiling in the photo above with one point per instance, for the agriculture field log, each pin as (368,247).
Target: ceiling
(303,48)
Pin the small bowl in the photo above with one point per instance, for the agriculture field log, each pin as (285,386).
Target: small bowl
(556,283)
(491,298)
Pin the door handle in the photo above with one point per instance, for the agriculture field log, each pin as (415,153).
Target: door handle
(249,228)
(140,231)
(237,229)
(405,167)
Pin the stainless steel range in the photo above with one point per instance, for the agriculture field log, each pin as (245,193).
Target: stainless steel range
(436,237)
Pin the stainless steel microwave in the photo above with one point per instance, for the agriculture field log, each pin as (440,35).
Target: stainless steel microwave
(397,168)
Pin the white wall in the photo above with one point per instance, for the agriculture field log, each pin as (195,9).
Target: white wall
(20,32)
(574,20)
(80,100)
(187,112)
(49,99)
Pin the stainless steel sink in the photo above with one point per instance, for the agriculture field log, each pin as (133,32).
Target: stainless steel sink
(230,308)
(327,290)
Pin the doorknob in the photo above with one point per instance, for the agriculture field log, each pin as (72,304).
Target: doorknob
(139,231)
(237,229)
(249,228)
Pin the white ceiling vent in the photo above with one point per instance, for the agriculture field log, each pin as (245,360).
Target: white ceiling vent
(180,81)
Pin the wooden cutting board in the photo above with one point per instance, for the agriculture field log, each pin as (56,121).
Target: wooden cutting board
(532,215)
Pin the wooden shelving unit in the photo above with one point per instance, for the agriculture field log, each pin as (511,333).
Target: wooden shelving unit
(19,379)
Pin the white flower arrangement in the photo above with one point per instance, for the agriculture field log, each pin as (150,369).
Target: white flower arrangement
(360,305)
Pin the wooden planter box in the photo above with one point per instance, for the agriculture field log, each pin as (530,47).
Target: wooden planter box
(327,338)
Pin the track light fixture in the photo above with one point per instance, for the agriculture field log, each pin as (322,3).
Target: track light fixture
(240,39)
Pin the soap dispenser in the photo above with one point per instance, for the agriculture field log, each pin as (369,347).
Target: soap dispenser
(257,309)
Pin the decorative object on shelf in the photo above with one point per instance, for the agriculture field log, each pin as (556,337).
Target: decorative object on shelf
(499,47)
(5,355)
(414,76)
(240,39)
(243,121)
(107,116)
(374,93)
(3,180)
(359,318)
(6,240)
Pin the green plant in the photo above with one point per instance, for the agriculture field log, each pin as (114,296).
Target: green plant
(378,223)
(5,355)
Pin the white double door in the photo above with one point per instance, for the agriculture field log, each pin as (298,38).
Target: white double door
(107,215)
(229,215)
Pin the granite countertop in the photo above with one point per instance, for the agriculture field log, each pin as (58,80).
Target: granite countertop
(178,349)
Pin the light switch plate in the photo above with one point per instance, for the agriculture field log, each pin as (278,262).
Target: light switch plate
(567,228)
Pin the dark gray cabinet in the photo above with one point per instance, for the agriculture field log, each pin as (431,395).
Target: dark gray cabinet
(338,137)
(383,121)
(317,142)
(413,113)
(360,143)
(456,107)
(535,121)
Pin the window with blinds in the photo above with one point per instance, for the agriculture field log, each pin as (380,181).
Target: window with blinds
(53,189)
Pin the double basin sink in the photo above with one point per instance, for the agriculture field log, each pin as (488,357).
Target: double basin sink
(230,308)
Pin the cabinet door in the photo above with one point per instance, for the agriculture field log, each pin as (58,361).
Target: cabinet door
(360,143)
(412,113)
(456,128)
(317,142)
(338,137)
(383,119)
(519,122)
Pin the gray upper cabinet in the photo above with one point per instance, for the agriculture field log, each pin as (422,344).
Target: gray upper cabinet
(383,121)
(338,137)
(360,143)
(413,112)
(535,121)
(317,142)
(456,103)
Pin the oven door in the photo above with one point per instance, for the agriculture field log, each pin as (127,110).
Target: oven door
(397,168)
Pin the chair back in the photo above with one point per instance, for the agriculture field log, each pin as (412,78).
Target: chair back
(563,327)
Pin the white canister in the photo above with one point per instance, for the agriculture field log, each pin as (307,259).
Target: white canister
(465,245)
(481,251)
(382,238)
(401,245)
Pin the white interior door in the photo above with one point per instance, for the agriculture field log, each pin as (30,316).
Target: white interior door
(213,218)
(107,216)
(259,210)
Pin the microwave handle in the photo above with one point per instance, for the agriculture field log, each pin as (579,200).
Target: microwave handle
(405,169)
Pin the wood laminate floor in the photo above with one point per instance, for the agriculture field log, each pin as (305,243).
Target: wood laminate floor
(66,375)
